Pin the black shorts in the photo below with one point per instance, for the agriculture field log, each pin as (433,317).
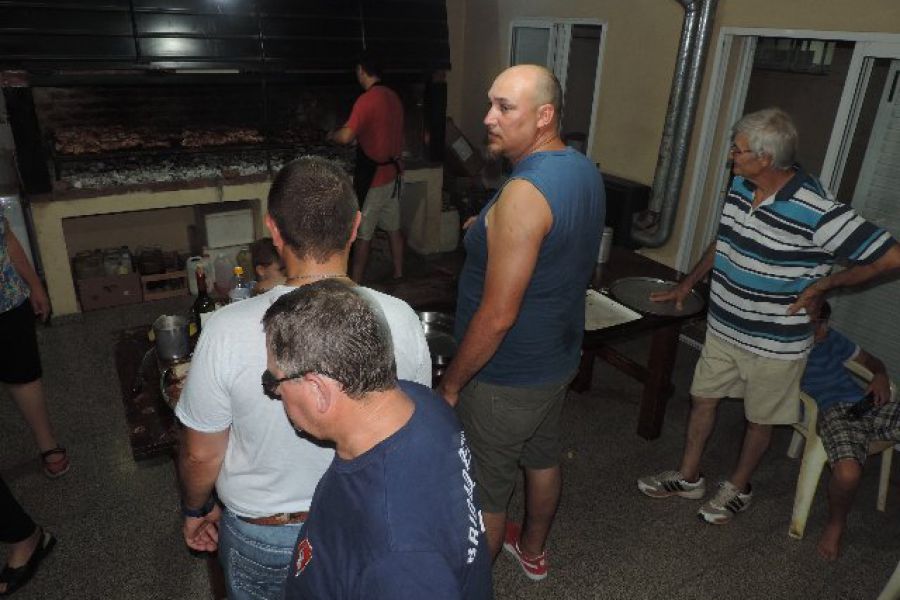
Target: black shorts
(20,361)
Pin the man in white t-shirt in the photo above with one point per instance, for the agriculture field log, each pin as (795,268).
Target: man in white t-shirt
(239,442)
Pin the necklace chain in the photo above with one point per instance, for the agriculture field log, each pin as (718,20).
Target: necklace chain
(314,276)
(542,144)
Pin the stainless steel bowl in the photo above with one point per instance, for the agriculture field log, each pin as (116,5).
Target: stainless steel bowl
(438,328)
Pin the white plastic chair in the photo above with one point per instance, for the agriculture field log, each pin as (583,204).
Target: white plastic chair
(891,589)
(814,457)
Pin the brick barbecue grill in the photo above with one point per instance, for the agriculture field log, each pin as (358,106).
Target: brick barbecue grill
(130,137)
(135,106)
(111,94)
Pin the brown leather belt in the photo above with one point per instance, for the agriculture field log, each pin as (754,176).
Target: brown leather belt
(275,520)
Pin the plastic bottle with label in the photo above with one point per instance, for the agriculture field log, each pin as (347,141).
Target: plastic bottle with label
(242,288)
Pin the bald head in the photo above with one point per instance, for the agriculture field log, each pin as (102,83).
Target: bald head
(538,84)
(524,112)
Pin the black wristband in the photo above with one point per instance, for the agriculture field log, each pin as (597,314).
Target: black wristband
(197,513)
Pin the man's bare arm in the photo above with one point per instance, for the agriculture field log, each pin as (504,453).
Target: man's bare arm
(199,461)
(517,225)
(342,135)
(880,385)
(812,297)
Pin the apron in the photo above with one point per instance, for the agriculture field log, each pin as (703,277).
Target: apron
(364,173)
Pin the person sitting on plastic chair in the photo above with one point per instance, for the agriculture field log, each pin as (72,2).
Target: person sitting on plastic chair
(846,431)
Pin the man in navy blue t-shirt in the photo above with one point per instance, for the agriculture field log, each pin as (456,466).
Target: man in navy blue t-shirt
(395,515)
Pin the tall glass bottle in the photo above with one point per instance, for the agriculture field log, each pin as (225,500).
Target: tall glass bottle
(203,305)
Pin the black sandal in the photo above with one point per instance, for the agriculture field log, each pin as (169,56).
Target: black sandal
(15,578)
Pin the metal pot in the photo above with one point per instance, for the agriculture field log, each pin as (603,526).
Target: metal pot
(172,335)
(439,335)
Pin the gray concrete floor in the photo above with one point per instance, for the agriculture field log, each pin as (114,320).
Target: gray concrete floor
(118,522)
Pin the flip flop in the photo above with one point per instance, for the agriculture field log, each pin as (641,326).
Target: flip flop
(15,578)
(57,468)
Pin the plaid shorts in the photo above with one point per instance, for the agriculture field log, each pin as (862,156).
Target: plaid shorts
(849,438)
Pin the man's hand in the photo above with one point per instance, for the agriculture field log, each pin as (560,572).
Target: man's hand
(810,299)
(677,293)
(469,222)
(202,533)
(880,388)
(451,397)
(40,303)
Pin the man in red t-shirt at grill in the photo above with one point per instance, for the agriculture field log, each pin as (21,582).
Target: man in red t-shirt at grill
(376,124)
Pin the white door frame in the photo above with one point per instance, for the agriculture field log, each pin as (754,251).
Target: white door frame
(559,55)
(850,105)
(866,44)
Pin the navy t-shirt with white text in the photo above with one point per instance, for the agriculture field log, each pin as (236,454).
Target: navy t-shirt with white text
(400,521)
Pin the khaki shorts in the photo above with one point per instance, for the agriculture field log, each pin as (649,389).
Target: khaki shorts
(380,209)
(508,427)
(770,387)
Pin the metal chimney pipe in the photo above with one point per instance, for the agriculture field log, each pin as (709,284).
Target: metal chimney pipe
(692,50)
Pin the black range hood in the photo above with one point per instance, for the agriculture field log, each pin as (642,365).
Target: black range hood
(248,36)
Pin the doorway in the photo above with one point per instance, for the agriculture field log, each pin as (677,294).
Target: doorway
(573,51)
(864,162)
(805,77)
(847,106)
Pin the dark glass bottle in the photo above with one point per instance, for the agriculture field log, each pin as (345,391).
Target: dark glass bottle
(203,305)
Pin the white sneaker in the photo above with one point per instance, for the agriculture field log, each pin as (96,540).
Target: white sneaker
(727,502)
(671,483)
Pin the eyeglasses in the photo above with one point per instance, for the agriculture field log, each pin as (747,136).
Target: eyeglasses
(733,149)
(270,384)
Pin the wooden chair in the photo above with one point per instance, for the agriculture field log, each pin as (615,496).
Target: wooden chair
(814,457)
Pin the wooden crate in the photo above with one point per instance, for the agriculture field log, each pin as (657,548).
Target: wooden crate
(152,288)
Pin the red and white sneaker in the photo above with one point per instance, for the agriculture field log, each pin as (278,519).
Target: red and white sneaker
(535,567)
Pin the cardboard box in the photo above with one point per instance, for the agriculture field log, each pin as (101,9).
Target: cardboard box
(112,290)
(463,156)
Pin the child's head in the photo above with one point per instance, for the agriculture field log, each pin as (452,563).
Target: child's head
(266,261)
(820,322)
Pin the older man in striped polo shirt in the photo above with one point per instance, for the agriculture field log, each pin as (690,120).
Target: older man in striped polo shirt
(780,235)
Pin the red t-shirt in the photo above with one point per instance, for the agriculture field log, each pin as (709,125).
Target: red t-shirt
(377,121)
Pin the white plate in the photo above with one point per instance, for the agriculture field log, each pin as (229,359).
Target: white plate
(602,311)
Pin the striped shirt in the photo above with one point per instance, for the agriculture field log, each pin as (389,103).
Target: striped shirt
(766,256)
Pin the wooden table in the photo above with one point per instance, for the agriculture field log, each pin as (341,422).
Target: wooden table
(152,426)
(656,375)
(152,429)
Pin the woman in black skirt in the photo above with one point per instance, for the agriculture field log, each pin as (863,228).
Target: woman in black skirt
(22,297)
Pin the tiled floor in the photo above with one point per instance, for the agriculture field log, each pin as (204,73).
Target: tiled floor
(118,521)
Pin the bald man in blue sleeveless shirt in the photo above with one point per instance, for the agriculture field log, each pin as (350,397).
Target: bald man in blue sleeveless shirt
(520,309)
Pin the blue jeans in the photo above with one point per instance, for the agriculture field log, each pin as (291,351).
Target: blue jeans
(255,558)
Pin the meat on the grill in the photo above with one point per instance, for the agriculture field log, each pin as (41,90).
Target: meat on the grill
(115,138)
(239,136)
